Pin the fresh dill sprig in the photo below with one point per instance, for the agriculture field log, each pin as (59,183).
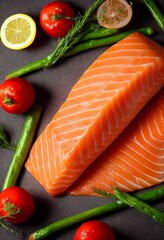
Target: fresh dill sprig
(5,142)
(2,224)
(71,37)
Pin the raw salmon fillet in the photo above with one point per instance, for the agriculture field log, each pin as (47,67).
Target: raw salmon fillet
(99,107)
(135,160)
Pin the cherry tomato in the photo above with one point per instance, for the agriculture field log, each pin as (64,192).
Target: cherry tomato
(94,230)
(16,95)
(16,205)
(56,18)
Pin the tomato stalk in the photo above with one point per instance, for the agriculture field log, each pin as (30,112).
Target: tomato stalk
(8,100)
(60,16)
(11,210)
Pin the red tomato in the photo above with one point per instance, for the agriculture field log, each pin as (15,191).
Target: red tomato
(16,95)
(16,205)
(56,18)
(94,230)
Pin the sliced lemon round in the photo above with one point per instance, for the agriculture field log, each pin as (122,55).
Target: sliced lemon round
(114,13)
(18,31)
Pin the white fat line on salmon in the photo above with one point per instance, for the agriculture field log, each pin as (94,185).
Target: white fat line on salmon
(128,45)
(124,49)
(141,155)
(67,123)
(101,87)
(108,66)
(69,141)
(75,114)
(56,148)
(146,137)
(95,100)
(146,141)
(136,179)
(36,158)
(157,129)
(94,140)
(72,130)
(134,159)
(118,112)
(89,86)
(97,147)
(83,104)
(120,185)
(43,150)
(84,95)
(110,74)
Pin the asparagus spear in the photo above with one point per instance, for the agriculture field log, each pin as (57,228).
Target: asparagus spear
(99,32)
(81,47)
(23,146)
(155,12)
(65,43)
(134,202)
(147,196)
(104,41)
(140,205)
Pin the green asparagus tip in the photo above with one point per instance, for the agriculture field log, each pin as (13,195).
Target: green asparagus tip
(150,30)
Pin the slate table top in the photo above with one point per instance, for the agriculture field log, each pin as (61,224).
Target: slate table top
(52,85)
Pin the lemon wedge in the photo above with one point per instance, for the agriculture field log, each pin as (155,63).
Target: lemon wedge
(18,31)
(114,13)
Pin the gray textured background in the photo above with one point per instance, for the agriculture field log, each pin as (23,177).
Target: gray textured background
(52,86)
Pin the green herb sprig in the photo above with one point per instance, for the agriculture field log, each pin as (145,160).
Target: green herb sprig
(71,37)
(5,141)
(2,224)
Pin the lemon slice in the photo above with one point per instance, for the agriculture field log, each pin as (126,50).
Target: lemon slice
(114,13)
(18,31)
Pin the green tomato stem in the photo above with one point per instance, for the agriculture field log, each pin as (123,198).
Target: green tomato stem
(23,146)
(8,100)
(60,16)
(11,210)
